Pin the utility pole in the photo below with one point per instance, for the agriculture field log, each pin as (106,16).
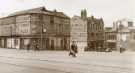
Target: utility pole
(42,36)
(11,35)
(121,38)
(42,30)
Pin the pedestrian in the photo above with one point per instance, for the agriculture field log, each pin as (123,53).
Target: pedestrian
(76,48)
(122,49)
(28,47)
(73,49)
(36,47)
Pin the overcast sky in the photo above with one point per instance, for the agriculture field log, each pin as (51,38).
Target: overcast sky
(109,10)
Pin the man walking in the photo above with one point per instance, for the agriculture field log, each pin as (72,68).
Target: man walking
(28,47)
(73,49)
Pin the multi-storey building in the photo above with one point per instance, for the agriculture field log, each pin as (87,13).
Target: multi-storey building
(39,26)
(110,38)
(95,29)
(130,42)
(79,31)
(124,29)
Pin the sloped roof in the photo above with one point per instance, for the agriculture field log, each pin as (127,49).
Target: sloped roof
(110,29)
(76,17)
(95,20)
(39,10)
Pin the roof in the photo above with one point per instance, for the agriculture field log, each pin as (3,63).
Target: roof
(110,29)
(76,17)
(95,20)
(92,17)
(39,10)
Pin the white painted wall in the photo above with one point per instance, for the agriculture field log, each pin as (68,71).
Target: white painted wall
(79,32)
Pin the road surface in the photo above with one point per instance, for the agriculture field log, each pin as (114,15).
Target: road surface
(21,61)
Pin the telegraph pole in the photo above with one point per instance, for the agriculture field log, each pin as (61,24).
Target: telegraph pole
(43,30)
(41,36)
(11,36)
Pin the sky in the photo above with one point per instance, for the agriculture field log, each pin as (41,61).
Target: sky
(109,10)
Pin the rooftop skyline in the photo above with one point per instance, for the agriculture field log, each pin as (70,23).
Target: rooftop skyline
(109,10)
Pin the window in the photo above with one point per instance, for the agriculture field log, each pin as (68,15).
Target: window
(16,42)
(91,26)
(130,24)
(52,20)
(60,28)
(92,34)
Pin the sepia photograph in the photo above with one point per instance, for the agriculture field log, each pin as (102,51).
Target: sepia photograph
(67,36)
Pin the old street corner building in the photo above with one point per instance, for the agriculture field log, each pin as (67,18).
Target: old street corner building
(95,34)
(88,32)
(36,27)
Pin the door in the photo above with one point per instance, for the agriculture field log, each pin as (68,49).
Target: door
(47,43)
(52,44)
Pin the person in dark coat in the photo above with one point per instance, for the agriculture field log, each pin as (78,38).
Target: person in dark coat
(28,47)
(73,49)
(122,49)
(37,47)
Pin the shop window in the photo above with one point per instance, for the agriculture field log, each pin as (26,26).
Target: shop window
(16,42)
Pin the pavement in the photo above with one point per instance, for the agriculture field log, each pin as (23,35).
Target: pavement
(23,61)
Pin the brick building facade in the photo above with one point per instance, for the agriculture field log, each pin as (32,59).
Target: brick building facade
(46,29)
(95,29)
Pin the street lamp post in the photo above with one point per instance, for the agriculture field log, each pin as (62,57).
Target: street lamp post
(43,30)
(42,36)
(11,36)
(121,37)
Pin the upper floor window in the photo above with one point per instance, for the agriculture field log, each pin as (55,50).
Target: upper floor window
(52,20)
(60,28)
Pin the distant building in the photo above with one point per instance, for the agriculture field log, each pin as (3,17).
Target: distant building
(35,27)
(95,29)
(133,34)
(124,29)
(79,30)
(110,38)
(130,42)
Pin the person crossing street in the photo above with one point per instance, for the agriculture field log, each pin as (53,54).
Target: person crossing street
(73,50)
